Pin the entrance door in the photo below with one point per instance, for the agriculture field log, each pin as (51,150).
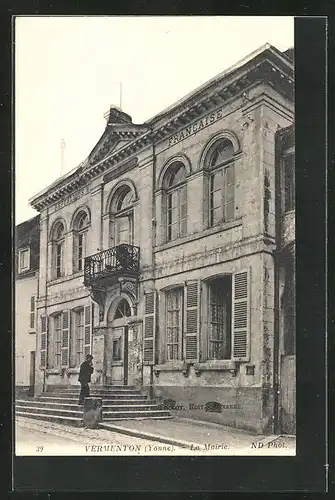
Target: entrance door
(32,373)
(287,395)
(119,355)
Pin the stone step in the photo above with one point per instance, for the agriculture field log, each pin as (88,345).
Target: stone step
(76,415)
(53,418)
(97,390)
(109,400)
(108,415)
(73,394)
(56,405)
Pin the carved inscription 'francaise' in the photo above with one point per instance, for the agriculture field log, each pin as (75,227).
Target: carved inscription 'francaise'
(195,127)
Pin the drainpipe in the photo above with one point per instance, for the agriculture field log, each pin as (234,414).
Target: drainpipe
(278,230)
(45,301)
(153,242)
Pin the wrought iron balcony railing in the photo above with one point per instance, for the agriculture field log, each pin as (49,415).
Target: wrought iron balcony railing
(106,266)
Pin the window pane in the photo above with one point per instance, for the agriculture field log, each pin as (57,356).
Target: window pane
(220,328)
(173,324)
(217,181)
(222,152)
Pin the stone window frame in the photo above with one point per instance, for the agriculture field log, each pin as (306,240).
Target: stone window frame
(23,269)
(58,240)
(204,165)
(169,190)
(77,233)
(113,212)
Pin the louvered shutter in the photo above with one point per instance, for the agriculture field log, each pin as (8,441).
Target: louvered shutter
(65,339)
(87,330)
(192,321)
(43,345)
(241,316)
(149,329)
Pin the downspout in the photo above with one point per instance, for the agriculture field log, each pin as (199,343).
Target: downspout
(278,230)
(153,243)
(45,301)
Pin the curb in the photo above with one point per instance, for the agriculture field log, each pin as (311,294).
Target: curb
(147,435)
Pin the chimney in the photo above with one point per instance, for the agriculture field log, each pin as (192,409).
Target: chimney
(115,115)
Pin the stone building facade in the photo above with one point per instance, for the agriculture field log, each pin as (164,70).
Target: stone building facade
(157,253)
(27,247)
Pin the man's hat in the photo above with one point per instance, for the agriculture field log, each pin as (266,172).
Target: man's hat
(89,356)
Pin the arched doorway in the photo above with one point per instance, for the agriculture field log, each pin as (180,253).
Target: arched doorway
(117,341)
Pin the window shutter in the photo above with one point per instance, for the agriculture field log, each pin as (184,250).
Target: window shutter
(65,339)
(149,329)
(192,321)
(241,316)
(87,329)
(43,345)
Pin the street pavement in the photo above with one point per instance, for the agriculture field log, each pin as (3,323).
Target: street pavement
(144,438)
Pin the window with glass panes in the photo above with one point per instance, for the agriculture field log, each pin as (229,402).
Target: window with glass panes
(221,184)
(176,197)
(174,308)
(289,183)
(32,312)
(79,336)
(59,250)
(81,240)
(57,339)
(219,340)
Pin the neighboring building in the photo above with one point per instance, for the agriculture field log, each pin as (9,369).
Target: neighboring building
(158,253)
(27,248)
(285,279)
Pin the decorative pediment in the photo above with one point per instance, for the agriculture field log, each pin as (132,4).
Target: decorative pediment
(119,132)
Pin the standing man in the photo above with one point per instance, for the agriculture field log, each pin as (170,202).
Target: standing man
(86,370)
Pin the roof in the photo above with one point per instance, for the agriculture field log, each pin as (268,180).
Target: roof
(77,175)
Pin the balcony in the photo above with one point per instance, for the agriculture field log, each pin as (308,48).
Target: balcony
(104,269)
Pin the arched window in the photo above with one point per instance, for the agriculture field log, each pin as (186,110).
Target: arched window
(80,227)
(122,310)
(221,182)
(58,249)
(175,201)
(122,220)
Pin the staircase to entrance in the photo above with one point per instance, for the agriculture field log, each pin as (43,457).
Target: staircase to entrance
(118,403)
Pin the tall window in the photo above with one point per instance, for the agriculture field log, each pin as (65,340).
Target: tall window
(176,201)
(289,308)
(24,260)
(32,312)
(79,336)
(122,209)
(221,183)
(174,322)
(289,183)
(59,237)
(57,336)
(80,239)
(219,340)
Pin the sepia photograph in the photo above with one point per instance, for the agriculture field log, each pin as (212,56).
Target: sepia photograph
(154,236)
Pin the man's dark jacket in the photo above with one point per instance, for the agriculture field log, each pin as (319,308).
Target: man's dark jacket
(85,372)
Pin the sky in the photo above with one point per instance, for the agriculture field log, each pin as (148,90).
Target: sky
(68,72)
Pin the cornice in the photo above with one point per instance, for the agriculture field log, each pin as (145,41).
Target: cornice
(220,92)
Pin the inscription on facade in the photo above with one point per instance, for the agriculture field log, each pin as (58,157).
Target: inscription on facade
(69,199)
(204,122)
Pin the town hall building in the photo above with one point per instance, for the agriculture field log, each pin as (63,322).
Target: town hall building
(169,253)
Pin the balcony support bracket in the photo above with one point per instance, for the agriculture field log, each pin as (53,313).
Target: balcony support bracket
(99,296)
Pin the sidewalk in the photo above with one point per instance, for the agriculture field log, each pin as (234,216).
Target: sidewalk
(205,437)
